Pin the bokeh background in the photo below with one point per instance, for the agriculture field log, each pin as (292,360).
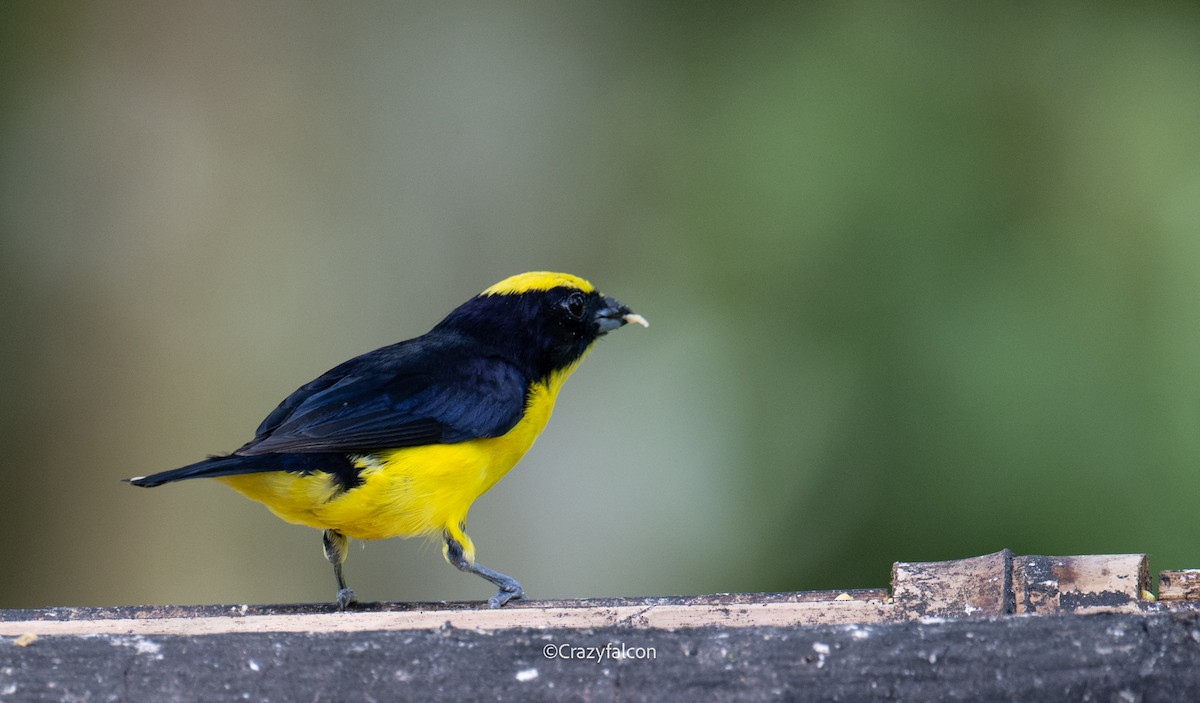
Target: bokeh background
(923,279)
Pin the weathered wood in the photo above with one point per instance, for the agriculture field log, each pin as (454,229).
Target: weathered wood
(728,610)
(1098,582)
(534,616)
(946,631)
(987,586)
(1106,657)
(1180,585)
(975,587)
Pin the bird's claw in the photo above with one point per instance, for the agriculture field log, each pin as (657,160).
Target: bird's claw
(503,596)
(345,598)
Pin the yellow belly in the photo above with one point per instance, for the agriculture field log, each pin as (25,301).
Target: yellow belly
(405,492)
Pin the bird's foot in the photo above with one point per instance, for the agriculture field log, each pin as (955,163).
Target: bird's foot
(506,594)
(345,598)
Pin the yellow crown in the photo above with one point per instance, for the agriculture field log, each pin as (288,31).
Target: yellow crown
(538,280)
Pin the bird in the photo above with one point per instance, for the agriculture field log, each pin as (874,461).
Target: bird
(400,441)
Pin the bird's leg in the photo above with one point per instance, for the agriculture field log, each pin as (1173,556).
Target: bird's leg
(335,552)
(509,588)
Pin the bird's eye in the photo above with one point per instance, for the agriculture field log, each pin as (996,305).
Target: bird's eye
(574,304)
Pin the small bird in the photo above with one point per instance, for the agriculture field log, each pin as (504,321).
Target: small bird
(399,442)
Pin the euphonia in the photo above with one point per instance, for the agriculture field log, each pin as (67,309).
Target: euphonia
(400,441)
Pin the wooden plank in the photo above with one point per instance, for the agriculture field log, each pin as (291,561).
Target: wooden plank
(1105,657)
(716,600)
(942,633)
(991,585)
(531,615)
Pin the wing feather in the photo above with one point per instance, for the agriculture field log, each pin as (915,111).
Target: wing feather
(422,391)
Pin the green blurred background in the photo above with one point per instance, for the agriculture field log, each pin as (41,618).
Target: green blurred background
(923,279)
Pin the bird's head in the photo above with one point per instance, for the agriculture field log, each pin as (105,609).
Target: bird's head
(546,321)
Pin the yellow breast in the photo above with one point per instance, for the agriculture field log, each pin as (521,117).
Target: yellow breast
(404,492)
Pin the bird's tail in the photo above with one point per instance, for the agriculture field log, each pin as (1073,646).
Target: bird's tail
(209,468)
(339,465)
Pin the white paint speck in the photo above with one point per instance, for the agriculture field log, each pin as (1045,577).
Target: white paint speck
(254,666)
(822,651)
(525,675)
(147,647)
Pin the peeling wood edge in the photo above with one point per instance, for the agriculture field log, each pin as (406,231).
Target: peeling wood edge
(192,611)
(668,617)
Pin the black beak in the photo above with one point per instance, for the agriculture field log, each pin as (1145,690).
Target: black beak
(616,314)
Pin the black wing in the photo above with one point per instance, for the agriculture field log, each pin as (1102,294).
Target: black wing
(423,391)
